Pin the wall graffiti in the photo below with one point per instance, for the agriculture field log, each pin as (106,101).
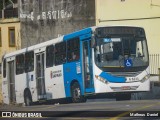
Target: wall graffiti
(60,10)
(59,14)
(44,20)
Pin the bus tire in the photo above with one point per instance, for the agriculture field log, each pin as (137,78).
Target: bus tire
(27,98)
(76,93)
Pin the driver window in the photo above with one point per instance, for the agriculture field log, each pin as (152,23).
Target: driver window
(139,52)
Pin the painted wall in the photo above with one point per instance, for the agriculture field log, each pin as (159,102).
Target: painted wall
(4,25)
(44,20)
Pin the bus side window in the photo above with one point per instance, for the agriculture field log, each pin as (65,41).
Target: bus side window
(50,56)
(19,64)
(73,49)
(4,68)
(29,61)
(60,53)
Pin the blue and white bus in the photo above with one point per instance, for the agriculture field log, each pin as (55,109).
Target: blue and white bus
(95,60)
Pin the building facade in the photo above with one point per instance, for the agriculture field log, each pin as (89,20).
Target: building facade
(43,20)
(143,13)
(10,39)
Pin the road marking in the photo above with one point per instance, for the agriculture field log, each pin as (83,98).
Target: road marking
(134,110)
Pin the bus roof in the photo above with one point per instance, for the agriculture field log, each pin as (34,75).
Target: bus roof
(40,45)
(78,33)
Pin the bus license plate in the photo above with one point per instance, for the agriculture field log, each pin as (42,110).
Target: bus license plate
(125,87)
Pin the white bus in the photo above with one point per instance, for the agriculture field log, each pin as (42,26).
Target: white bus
(95,60)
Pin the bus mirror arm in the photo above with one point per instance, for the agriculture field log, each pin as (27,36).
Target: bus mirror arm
(98,58)
(93,43)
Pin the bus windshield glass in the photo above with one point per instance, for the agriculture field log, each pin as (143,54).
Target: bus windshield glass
(121,51)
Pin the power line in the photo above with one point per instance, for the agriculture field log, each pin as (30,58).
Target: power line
(128,19)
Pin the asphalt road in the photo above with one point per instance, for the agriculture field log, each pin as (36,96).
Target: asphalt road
(92,109)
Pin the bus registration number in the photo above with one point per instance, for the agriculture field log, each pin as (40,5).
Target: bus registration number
(125,87)
(133,79)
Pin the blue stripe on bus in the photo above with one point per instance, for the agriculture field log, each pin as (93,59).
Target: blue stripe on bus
(70,72)
(111,78)
(77,34)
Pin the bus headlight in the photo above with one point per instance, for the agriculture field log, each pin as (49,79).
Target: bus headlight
(145,78)
(101,79)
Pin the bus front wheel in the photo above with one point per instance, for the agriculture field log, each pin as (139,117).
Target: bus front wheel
(76,93)
(27,98)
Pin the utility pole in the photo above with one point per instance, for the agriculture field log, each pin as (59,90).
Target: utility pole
(3,9)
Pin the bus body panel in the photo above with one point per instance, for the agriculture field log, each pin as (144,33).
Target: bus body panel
(7,84)
(20,84)
(72,72)
(54,81)
(102,86)
(5,91)
(32,85)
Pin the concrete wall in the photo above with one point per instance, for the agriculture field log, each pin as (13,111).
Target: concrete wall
(42,20)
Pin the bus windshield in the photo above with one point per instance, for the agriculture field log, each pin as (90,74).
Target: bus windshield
(121,52)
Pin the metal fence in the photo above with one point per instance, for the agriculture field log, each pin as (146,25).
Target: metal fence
(154,63)
(10,13)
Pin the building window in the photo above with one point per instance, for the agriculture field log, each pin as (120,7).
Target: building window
(11,34)
(0,38)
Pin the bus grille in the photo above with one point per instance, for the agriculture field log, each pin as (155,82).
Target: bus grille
(125,74)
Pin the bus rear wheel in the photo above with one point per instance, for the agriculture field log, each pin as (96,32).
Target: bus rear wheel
(76,93)
(27,98)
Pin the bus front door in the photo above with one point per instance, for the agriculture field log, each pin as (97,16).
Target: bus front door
(11,81)
(40,77)
(87,67)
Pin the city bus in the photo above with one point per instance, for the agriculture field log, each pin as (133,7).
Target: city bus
(92,61)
